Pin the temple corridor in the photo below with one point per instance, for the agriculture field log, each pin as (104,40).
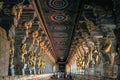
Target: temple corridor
(59,39)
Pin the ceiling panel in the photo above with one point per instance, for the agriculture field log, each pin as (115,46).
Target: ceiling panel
(59,18)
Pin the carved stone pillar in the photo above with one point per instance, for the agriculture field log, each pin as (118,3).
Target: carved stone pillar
(4,53)
(9,16)
(8,23)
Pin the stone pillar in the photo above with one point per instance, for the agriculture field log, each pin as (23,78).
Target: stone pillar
(4,53)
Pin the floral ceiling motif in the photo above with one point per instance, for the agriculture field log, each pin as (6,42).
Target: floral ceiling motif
(58,4)
(59,17)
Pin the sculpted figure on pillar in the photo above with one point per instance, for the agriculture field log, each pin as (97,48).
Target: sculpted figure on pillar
(42,45)
(95,55)
(12,49)
(27,25)
(90,24)
(32,59)
(38,40)
(34,36)
(90,46)
(107,51)
(43,63)
(79,63)
(39,61)
(107,45)
(32,62)
(85,35)
(17,11)
(23,52)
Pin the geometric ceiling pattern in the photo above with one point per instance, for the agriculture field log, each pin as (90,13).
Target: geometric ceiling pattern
(58,17)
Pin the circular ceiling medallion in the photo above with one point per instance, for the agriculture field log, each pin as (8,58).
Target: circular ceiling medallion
(58,4)
(59,17)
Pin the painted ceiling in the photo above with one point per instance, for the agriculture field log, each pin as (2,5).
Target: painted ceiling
(59,18)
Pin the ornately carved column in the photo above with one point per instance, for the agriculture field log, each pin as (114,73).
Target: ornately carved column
(9,16)
(7,30)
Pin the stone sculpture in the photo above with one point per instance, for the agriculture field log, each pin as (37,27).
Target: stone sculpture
(32,62)
(17,11)
(23,52)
